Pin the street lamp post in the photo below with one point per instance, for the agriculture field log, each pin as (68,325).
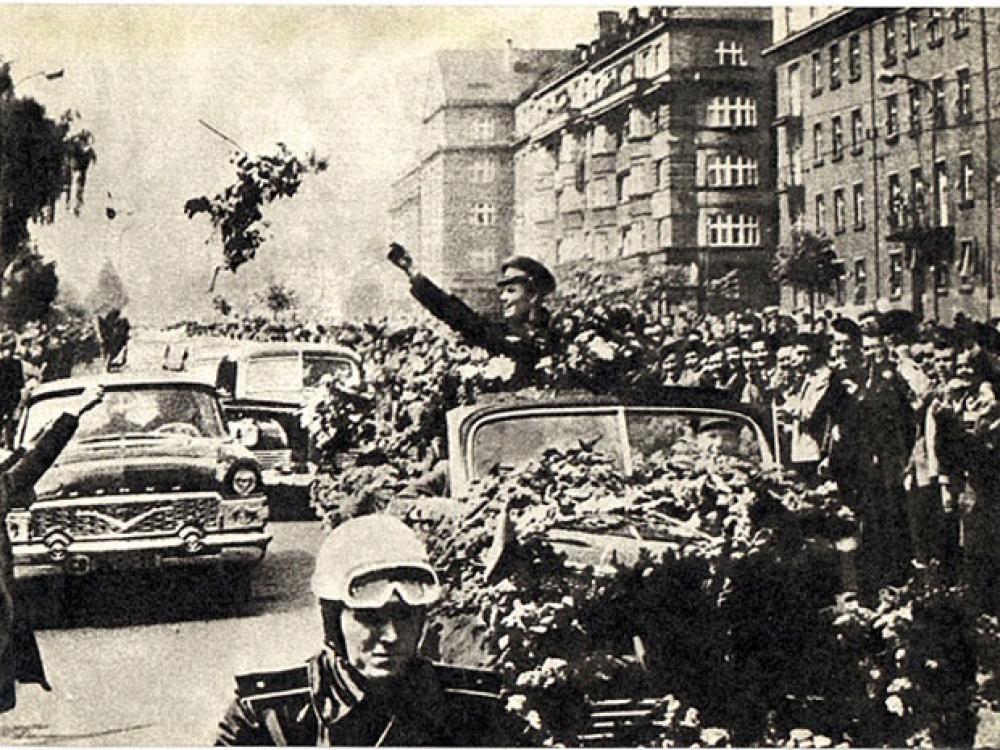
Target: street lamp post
(917,262)
(50,75)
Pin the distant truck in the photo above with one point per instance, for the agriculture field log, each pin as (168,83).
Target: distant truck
(263,387)
(151,478)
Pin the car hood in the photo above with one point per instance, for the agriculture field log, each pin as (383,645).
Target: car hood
(137,464)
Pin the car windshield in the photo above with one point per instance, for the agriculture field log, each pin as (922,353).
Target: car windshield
(510,442)
(135,411)
(287,375)
(513,440)
(318,365)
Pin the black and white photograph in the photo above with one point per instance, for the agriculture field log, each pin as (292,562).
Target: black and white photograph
(499,375)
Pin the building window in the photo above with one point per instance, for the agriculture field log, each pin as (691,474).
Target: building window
(940,115)
(914,109)
(854,57)
(840,291)
(818,143)
(794,90)
(942,277)
(732,111)
(895,200)
(860,281)
(730,54)
(731,170)
(834,66)
(918,195)
(859,205)
(960,22)
(942,191)
(483,170)
(912,33)
(963,105)
(889,40)
(837,136)
(839,211)
(891,117)
(935,30)
(483,128)
(817,73)
(965,177)
(895,275)
(727,230)
(483,214)
(820,213)
(624,187)
(969,265)
(857,131)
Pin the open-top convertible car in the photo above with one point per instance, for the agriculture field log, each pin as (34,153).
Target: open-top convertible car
(150,478)
(264,387)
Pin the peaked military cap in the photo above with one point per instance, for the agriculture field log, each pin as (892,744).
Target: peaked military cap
(521,269)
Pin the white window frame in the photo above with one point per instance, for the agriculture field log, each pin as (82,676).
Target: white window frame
(484,128)
(483,214)
(732,230)
(484,170)
(731,170)
(967,173)
(732,112)
(730,53)
(858,201)
(839,210)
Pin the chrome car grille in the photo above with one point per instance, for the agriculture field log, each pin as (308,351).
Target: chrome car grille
(116,518)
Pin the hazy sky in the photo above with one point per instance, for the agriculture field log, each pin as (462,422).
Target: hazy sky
(341,80)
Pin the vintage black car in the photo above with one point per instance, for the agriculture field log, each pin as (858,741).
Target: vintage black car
(150,478)
(263,388)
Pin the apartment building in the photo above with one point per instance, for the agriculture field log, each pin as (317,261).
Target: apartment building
(454,208)
(654,148)
(885,141)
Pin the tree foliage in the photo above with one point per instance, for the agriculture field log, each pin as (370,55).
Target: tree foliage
(809,263)
(235,212)
(108,292)
(278,298)
(41,160)
(29,289)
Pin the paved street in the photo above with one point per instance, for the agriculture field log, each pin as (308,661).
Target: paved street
(149,660)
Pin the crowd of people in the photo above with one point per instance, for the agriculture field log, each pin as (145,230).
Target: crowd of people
(903,415)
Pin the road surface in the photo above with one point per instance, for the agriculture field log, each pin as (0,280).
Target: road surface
(149,659)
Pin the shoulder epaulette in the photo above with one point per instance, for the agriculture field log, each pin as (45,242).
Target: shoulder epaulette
(468,680)
(266,686)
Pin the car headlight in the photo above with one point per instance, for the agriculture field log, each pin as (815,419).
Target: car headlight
(243,513)
(19,526)
(244,481)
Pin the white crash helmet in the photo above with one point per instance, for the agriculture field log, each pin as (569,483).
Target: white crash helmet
(366,561)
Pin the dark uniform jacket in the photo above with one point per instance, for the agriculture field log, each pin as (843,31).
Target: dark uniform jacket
(525,344)
(435,705)
(20,660)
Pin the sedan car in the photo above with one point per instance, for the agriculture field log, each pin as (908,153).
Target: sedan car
(151,478)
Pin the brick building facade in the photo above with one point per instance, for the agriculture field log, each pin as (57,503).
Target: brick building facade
(654,148)
(454,208)
(884,140)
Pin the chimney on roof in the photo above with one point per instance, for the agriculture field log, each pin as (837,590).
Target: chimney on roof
(655,16)
(508,56)
(581,53)
(608,25)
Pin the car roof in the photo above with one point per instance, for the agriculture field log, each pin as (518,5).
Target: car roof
(119,381)
(237,348)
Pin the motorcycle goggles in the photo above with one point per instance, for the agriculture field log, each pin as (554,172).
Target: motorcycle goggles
(415,586)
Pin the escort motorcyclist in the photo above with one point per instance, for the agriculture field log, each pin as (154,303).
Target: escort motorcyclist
(368,686)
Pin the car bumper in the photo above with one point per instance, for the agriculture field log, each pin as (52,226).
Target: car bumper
(297,476)
(32,560)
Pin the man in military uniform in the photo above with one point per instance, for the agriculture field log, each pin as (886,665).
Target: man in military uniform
(524,335)
(368,686)
(20,660)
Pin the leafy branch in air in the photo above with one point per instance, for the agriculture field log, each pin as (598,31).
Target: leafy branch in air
(235,212)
